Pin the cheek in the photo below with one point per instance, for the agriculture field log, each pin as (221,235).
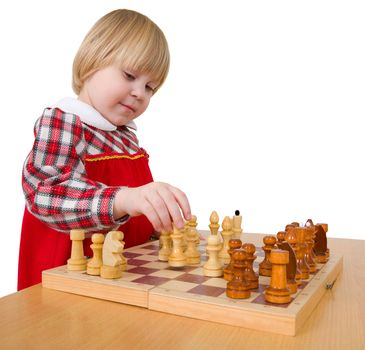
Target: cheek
(109,94)
(147,102)
(144,107)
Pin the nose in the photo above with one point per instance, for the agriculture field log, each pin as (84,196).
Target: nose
(138,91)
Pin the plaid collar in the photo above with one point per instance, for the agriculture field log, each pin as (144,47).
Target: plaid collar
(88,114)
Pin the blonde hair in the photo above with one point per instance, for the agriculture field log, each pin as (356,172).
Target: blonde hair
(125,38)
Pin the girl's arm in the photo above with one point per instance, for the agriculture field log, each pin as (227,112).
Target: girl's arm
(55,185)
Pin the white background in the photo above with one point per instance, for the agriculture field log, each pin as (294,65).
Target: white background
(261,111)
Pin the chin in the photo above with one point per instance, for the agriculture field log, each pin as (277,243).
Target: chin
(122,122)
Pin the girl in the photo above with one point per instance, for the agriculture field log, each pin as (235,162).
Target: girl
(86,169)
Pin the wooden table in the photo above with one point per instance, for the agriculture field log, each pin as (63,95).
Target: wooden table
(37,318)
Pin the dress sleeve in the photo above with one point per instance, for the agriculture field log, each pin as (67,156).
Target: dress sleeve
(54,180)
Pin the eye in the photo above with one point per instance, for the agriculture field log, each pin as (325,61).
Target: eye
(129,76)
(150,88)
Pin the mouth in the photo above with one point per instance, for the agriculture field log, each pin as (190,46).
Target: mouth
(128,107)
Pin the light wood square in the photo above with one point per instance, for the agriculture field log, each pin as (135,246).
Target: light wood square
(198,271)
(146,257)
(167,273)
(128,276)
(156,265)
(178,285)
(216,282)
(140,251)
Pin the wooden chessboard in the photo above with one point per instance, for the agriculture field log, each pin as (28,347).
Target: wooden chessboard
(152,284)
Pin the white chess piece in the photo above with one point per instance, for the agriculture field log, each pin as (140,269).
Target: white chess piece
(166,242)
(112,260)
(227,234)
(77,261)
(95,263)
(192,253)
(177,257)
(213,267)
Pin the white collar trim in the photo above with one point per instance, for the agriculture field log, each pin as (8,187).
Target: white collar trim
(88,114)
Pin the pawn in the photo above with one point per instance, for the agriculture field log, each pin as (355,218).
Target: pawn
(177,257)
(309,255)
(77,261)
(213,267)
(300,233)
(280,238)
(94,264)
(250,274)
(165,243)
(278,292)
(192,253)
(288,227)
(238,287)
(192,224)
(265,265)
(184,231)
(234,244)
(227,234)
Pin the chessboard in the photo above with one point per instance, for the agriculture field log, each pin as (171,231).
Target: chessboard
(185,291)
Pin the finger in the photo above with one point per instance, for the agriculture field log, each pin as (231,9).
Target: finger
(159,206)
(172,205)
(183,202)
(148,210)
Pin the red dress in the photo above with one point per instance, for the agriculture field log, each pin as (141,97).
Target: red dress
(43,248)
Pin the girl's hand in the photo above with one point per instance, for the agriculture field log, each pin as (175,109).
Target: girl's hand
(160,202)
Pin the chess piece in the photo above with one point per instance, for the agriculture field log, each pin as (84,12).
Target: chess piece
(192,224)
(213,267)
(308,254)
(238,287)
(309,223)
(291,267)
(300,233)
(214,223)
(192,253)
(325,229)
(183,232)
(165,250)
(249,274)
(123,262)
(320,244)
(287,227)
(280,238)
(112,260)
(234,244)
(77,261)
(265,265)
(177,257)
(95,263)
(237,224)
(227,234)
(278,292)
(291,238)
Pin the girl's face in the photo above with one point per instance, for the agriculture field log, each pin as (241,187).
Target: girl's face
(119,95)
